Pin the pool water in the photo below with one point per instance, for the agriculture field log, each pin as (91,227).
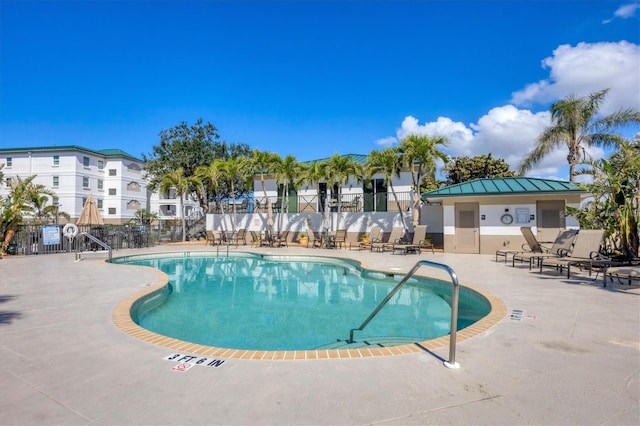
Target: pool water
(282,303)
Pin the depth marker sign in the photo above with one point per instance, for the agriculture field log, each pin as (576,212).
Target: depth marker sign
(185,362)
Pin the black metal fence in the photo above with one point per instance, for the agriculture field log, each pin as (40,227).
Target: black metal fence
(47,239)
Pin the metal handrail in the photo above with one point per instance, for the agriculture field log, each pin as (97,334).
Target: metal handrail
(95,240)
(451,363)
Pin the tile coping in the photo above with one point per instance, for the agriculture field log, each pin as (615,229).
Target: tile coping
(122,319)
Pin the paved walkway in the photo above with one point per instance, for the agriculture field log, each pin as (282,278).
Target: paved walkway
(574,358)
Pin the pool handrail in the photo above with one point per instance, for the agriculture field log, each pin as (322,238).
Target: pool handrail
(95,240)
(451,362)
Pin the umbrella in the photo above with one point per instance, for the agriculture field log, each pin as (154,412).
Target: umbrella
(90,214)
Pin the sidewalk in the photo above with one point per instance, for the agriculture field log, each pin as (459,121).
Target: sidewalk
(573,358)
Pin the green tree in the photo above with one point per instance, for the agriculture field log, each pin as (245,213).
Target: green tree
(313,173)
(463,169)
(263,163)
(188,147)
(616,199)
(18,204)
(145,217)
(211,178)
(388,162)
(576,125)
(183,185)
(288,173)
(338,170)
(419,154)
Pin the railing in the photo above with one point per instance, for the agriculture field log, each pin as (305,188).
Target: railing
(349,202)
(95,240)
(451,363)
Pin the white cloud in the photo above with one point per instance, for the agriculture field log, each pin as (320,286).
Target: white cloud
(624,11)
(510,131)
(588,68)
(388,141)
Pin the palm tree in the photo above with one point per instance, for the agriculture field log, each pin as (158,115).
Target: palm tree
(338,169)
(211,178)
(313,173)
(387,162)
(575,123)
(42,211)
(17,204)
(263,163)
(287,173)
(419,154)
(182,184)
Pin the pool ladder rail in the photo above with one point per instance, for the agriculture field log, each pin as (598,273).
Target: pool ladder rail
(95,240)
(451,362)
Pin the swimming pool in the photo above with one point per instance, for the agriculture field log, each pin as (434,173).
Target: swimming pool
(292,303)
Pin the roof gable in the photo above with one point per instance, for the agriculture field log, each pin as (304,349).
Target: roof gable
(504,186)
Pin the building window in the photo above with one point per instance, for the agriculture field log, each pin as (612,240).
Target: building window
(100,164)
(133,205)
(112,172)
(112,210)
(100,203)
(84,201)
(56,181)
(133,167)
(112,191)
(85,161)
(9,161)
(85,182)
(100,184)
(56,160)
(133,186)
(55,201)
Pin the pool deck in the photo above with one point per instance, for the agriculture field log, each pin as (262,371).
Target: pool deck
(572,357)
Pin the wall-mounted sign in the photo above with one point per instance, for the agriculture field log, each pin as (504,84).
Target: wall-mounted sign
(522,215)
(51,235)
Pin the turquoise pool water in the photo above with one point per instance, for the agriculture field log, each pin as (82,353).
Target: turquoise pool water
(293,303)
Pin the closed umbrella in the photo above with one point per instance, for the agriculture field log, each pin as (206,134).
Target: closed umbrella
(90,214)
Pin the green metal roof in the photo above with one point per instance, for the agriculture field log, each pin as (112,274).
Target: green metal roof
(505,186)
(103,152)
(358,158)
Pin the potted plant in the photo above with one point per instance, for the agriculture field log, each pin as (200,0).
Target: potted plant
(365,238)
(303,238)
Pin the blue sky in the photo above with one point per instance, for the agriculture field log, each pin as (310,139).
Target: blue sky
(311,78)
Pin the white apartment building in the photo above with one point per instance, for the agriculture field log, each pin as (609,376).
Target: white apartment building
(114,177)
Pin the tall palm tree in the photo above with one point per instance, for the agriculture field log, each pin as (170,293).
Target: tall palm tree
(211,177)
(313,173)
(177,180)
(575,123)
(288,174)
(338,169)
(419,154)
(237,172)
(263,163)
(387,162)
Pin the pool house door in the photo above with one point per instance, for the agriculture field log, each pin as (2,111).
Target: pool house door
(467,238)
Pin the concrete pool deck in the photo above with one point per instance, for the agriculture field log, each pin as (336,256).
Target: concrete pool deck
(572,358)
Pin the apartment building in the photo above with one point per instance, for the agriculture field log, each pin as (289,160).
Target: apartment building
(115,178)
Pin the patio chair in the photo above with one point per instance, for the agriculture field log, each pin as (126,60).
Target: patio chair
(280,240)
(257,240)
(531,246)
(314,239)
(414,246)
(237,237)
(211,238)
(396,235)
(340,238)
(586,249)
(561,246)
(374,236)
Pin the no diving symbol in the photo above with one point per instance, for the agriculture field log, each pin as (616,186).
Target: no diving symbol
(182,367)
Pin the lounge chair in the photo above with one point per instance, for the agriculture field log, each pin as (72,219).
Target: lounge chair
(626,272)
(414,246)
(257,240)
(586,249)
(394,238)
(531,246)
(561,246)
(374,236)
